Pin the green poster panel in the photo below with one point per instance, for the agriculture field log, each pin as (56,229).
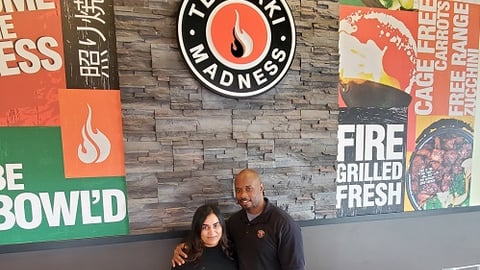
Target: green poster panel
(37,203)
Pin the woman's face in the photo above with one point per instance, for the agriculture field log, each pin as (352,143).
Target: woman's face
(211,231)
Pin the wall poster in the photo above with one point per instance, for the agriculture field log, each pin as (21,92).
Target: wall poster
(408,77)
(62,173)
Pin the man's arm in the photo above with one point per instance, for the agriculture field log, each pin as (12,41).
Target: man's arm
(291,247)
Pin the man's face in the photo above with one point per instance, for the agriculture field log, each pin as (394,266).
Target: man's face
(249,192)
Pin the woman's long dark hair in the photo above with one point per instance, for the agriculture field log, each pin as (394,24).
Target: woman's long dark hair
(194,241)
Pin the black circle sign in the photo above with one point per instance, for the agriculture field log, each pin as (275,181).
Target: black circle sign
(237,48)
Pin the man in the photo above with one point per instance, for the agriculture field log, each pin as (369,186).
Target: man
(264,236)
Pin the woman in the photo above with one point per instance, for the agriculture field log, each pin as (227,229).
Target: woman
(207,245)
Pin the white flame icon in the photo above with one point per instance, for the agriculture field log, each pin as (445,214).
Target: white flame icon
(243,43)
(96,146)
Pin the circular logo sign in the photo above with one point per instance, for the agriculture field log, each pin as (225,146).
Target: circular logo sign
(237,48)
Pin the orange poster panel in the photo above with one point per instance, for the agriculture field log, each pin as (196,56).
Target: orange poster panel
(91,127)
(447,65)
(31,64)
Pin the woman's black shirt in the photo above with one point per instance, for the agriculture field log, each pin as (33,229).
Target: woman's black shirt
(211,259)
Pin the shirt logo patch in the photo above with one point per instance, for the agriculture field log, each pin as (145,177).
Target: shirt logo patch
(260,234)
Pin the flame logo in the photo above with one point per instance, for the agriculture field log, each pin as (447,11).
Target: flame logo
(242,45)
(96,146)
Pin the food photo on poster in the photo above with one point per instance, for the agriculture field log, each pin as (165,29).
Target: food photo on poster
(377,57)
(440,169)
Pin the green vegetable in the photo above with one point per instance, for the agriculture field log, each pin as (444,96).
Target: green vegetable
(433,203)
(458,184)
(386,3)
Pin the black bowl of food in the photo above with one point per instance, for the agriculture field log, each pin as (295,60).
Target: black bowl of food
(373,94)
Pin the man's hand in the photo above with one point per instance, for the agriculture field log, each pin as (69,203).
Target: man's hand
(179,255)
